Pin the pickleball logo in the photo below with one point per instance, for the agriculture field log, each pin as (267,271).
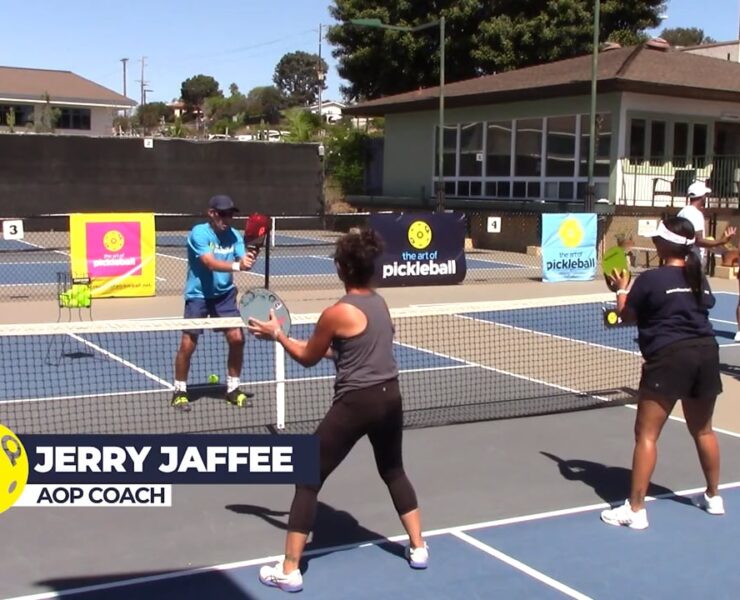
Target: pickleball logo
(13,468)
(571,233)
(420,235)
(113,240)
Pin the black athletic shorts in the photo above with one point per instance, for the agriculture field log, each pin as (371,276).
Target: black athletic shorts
(685,369)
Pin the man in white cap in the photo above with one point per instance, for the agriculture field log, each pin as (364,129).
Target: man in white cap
(694,212)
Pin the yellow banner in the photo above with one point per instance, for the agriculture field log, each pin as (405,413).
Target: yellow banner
(116,251)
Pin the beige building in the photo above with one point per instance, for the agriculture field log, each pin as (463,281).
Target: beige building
(722,50)
(664,119)
(76,105)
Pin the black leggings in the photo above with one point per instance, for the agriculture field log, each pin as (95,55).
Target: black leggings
(376,412)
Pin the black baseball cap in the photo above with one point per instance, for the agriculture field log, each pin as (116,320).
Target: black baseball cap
(222,203)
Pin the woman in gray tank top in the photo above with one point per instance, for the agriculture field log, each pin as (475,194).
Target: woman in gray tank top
(357,333)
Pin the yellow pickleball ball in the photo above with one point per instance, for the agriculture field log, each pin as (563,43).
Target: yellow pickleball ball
(612,317)
(13,468)
(212,378)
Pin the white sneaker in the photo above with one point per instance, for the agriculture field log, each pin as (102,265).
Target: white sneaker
(624,515)
(273,576)
(737,336)
(418,557)
(714,505)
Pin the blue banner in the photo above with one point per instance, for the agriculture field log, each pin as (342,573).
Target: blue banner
(568,247)
(172,459)
(420,249)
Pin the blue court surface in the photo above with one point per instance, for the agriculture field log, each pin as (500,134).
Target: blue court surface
(685,553)
(126,363)
(130,363)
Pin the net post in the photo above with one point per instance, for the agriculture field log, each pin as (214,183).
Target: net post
(279,386)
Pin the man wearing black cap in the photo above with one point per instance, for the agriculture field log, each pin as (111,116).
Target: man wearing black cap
(215,251)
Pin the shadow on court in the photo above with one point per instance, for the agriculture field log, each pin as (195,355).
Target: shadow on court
(611,484)
(212,584)
(333,529)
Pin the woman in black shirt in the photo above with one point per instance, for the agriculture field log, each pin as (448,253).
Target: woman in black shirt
(670,306)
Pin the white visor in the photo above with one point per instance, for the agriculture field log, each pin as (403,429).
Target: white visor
(669,236)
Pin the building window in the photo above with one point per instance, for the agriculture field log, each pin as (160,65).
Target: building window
(498,149)
(657,142)
(449,151)
(73,118)
(528,155)
(471,149)
(23,114)
(637,140)
(680,144)
(602,148)
(561,147)
(699,148)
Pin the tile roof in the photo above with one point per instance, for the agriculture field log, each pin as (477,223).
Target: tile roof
(20,84)
(635,69)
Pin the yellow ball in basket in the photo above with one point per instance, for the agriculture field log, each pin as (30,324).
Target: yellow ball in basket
(213,378)
(13,468)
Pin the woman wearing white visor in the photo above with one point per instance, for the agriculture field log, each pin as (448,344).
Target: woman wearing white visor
(670,306)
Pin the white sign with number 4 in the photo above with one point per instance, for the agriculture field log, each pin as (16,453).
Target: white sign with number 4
(13,230)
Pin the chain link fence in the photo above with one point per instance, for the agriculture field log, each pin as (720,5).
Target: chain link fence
(501,247)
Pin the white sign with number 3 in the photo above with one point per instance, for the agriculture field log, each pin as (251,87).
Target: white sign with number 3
(13,230)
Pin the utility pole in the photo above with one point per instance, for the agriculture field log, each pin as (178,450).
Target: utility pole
(124,61)
(322,149)
(320,75)
(143,83)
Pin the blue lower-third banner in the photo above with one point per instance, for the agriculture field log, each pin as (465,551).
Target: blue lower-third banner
(171,459)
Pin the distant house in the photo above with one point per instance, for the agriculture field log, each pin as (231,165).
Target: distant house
(331,111)
(724,50)
(81,106)
(664,118)
(179,108)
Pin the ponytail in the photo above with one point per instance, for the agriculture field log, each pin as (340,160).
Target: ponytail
(694,276)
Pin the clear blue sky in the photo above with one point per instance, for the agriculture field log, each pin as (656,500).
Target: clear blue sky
(235,41)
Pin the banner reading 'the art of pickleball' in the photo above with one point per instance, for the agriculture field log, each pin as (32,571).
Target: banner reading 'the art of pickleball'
(116,251)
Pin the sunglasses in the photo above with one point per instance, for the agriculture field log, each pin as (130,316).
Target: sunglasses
(225,213)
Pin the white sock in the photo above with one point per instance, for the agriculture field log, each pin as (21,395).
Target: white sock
(232,383)
(181,386)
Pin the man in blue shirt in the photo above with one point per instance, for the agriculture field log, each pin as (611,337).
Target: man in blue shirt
(215,251)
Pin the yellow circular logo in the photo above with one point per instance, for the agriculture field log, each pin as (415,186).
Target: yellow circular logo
(13,468)
(113,240)
(571,233)
(420,235)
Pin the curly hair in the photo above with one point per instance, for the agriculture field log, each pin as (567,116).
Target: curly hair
(355,256)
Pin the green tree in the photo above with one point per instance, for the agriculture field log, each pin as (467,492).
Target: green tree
(264,103)
(49,115)
(150,117)
(10,119)
(686,36)
(345,157)
(303,125)
(297,77)
(195,90)
(481,38)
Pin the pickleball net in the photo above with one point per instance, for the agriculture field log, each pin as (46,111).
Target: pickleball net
(458,363)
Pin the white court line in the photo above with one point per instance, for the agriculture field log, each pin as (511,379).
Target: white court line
(85,396)
(123,361)
(545,334)
(520,566)
(339,548)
